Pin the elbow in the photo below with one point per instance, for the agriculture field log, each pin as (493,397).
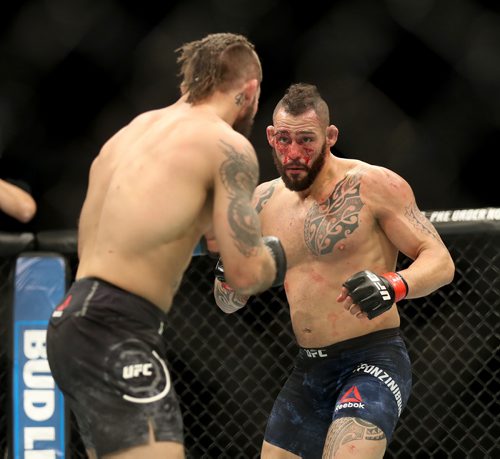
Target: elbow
(27,211)
(446,269)
(243,285)
(219,301)
(247,281)
(449,271)
(227,299)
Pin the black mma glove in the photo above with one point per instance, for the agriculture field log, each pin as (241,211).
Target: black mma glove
(276,249)
(376,294)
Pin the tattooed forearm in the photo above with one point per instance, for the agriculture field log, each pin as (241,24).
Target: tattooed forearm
(264,195)
(335,218)
(345,430)
(240,175)
(228,300)
(419,221)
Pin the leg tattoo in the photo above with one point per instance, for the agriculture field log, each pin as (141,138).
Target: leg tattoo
(345,430)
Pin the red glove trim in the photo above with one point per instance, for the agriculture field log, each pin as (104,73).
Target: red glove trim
(398,284)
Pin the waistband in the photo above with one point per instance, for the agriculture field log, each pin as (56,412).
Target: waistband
(99,294)
(353,344)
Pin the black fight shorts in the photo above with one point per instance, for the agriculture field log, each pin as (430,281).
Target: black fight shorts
(107,355)
(368,377)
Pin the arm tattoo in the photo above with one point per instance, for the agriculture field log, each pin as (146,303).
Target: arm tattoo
(264,195)
(419,221)
(228,300)
(240,175)
(345,430)
(335,218)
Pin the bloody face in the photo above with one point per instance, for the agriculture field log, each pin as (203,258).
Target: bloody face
(299,150)
(291,174)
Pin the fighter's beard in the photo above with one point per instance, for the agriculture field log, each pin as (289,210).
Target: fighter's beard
(301,184)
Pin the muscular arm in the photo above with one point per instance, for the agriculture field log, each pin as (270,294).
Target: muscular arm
(432,265)
(392,204)
(249,266)
(226,298)
(411,232)
(16,202)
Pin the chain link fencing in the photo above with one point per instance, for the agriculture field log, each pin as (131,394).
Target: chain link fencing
(228,369)
(6,270)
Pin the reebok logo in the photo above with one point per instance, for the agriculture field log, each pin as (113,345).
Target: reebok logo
(351,399)
(352,395)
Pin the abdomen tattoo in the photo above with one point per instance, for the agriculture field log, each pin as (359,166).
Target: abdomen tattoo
(330,221)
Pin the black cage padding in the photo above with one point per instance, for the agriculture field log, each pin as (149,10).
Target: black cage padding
(12,244)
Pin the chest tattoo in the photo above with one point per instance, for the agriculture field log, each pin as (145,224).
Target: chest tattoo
(334,219)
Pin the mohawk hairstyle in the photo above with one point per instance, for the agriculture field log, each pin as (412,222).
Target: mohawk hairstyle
(217,62)
(302,97)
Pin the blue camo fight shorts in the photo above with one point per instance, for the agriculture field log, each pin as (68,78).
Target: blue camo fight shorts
(368,377)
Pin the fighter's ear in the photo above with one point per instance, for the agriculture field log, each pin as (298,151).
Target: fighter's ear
(250,89)
(270,135)
(332,134)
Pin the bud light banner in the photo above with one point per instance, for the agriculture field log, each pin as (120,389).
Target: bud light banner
(38,415)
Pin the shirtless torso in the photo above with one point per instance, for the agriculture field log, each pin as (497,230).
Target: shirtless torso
(327,240)
(151,197)
(358,217)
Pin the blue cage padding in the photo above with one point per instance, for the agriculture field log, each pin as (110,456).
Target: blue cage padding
(38,413)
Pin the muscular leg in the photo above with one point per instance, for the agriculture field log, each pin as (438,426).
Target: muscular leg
(153,450)
(353,437)
(273,452)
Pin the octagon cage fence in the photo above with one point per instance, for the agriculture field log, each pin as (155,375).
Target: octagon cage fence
(228,369)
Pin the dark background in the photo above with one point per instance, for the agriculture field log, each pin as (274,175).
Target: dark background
(413,85)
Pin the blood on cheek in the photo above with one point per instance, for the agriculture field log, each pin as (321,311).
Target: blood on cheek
(294,152)
(307,155)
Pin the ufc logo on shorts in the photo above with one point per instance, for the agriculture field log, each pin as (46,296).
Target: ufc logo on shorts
(313,353)
(136,370)
(381,287)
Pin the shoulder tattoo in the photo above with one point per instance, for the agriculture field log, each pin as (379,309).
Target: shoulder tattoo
(264,194)
(240,174)
(334,219)
(419,221)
